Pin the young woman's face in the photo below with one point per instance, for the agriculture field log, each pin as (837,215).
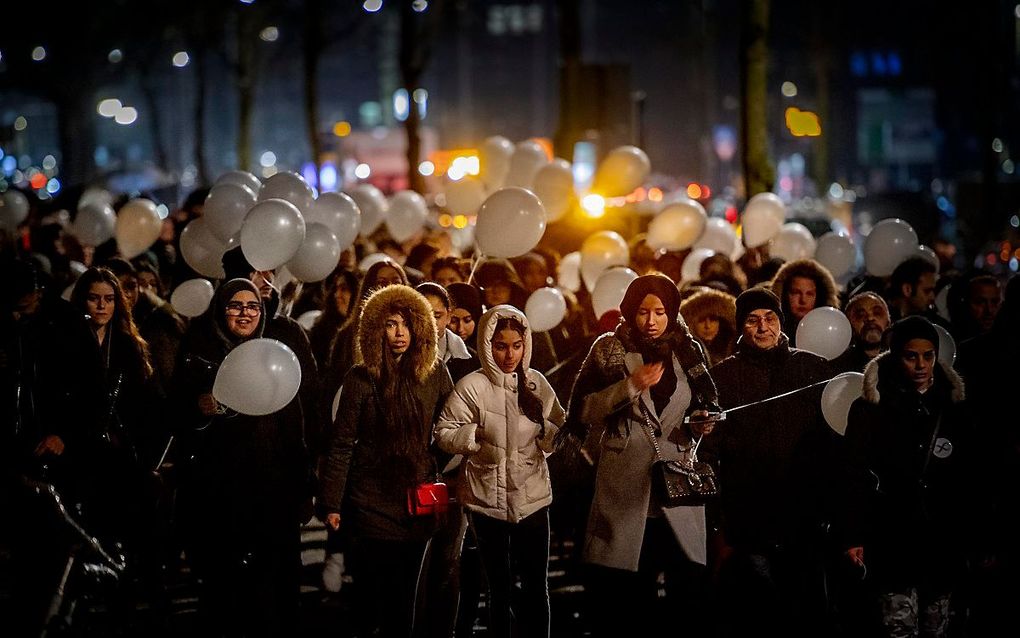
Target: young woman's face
(398,334)
(801,296)
(707,328)
(446,276)
(342,297)
(507,349)
(129,285)
(917,361)
(462,323)
(651,317)
(440,312)
(243,313)
(100,303)
(497,293)
(147,281)
(387,275)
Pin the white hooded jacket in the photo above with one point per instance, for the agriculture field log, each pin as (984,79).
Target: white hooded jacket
(505,475)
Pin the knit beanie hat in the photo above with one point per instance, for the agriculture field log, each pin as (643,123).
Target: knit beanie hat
(912,327)
(757,299)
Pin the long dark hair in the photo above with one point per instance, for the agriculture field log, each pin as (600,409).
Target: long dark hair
(528,402)
(122,323)
(404,440)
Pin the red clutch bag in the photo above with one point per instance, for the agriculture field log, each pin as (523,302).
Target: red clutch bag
(426,499)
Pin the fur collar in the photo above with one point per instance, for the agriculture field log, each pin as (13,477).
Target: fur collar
(372,330)
(880,366)
(827,290)
(708,302)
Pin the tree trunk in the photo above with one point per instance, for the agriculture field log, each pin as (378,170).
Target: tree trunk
(77,136)
(417,31)
(313,45)
(567,131)
(759,173)
(198,118)
(154,124)
(246,72)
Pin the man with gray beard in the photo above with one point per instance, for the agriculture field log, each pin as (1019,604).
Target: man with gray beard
(869,319)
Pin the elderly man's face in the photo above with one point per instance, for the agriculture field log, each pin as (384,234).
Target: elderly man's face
(869,319)
(762,328)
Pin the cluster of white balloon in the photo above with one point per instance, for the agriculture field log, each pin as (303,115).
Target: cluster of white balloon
(519,190)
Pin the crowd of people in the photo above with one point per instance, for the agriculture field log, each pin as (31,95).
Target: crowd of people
(421,376)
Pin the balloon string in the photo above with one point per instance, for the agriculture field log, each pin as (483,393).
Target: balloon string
(474,267)
(778,396)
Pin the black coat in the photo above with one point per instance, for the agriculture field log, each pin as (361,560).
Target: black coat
(909,491)
(772,457)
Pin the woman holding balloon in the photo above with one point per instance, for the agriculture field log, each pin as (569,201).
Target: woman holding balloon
(380,448)
(248,487)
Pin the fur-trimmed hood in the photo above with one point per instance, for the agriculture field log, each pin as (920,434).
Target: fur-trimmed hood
(487,330)
(709,303)
(828,292)
(882,365)
(369,343)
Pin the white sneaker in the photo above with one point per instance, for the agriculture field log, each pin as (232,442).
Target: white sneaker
(332,572)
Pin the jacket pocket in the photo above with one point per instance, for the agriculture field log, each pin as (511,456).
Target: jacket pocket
(483,482)
(536,483)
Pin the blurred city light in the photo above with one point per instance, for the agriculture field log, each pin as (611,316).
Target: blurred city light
(694,191)
(802,123)
(109,107)
(115,56)
(49,163)
(997,145)
(363,170)
(328,177)
(53,186)
(460,221)
(162,211)
(268,159)
(269,34)
(181,59)
(594,205)
(126,115)
(342,129)
(836,191)
(654,194)
(789,89)
(20,123)
(426,168)
(401,104)
(419,6)
(372,5)
(39,54)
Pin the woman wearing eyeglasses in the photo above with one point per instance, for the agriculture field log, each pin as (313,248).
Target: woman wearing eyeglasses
(248,480)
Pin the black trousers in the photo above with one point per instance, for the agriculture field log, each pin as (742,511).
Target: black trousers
(386,579)
(626,603)
(510,551)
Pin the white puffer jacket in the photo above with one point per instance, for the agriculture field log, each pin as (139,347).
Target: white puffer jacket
(505,475)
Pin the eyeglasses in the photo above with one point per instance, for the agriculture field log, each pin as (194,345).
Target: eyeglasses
(754,320)
(236,309)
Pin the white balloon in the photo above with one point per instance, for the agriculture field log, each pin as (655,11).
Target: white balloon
(837,397)
(494,161)
(610,288)
(339,213)
(373,206)
(258,377)
(528,158)
(510,223)
(307,319)
(95,195)
(225,208)
(568,272)
(241,178)
(192,297)
(929,254)
(94,223)
(202,250)
(554,186)
(600,251)
(678,226)
(272,234)
(464,196)
(407,213)
(318,255)
(289,187)
(947,346)
(718,237)
(836,252)
(369,260)
(763,218)
(13,208)
(690,270)
(794,241)
(623,169)
(138,227)
(545,309)
(824,331)
(890,242)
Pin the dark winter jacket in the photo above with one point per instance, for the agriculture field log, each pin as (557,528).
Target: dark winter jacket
(908,488)
(772,457)
(162,329)
(853,359)
(356,479)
